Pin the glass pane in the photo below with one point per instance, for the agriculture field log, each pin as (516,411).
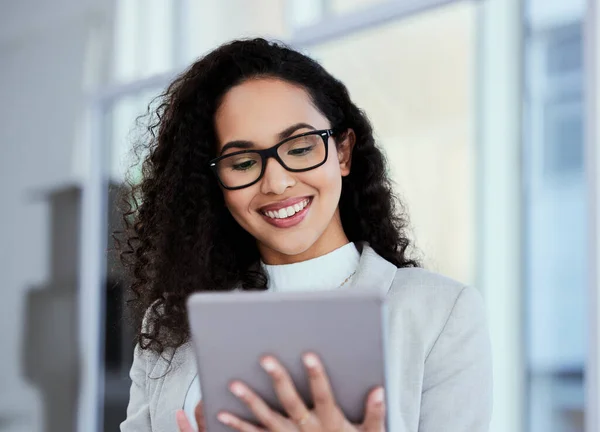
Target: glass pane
(420,102)
(344,6)
(144,38)
(211,23)
(555,218)
(301,13)
(127,127)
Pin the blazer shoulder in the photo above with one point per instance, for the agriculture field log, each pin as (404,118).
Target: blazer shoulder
(419,284)
(425,301)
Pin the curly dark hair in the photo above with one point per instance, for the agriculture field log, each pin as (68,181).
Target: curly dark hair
(180,238)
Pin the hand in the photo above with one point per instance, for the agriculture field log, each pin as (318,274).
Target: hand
(326,415)
(184,424)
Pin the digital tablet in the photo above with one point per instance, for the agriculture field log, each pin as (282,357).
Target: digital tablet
(232,331)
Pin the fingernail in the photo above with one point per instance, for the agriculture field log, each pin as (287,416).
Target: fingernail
(378,396)
(268,365)
(237,389)
(311,361)
(225,418)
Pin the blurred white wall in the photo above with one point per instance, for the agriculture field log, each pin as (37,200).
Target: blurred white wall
(49,54)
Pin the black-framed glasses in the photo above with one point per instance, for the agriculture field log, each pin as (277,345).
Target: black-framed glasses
(298,153)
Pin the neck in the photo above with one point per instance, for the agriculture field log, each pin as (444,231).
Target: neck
(333,238)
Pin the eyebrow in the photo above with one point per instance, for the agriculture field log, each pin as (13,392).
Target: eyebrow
(286,133)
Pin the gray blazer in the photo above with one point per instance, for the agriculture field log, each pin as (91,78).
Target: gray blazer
(440,376)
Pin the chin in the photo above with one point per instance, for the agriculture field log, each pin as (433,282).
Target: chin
(290,245)
(293,249)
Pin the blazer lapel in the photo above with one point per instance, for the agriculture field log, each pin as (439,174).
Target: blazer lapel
(373,271)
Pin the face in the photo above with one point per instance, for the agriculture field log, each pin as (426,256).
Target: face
(257,112)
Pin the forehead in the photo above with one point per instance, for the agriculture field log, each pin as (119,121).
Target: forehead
(257,110)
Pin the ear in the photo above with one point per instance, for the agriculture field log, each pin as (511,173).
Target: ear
(344,151)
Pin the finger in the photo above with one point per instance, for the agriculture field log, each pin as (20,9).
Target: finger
(326,407)
(182,422)
(199,414)
(375,411)
(319,383)
(286,390)
(237,424)
(267,417)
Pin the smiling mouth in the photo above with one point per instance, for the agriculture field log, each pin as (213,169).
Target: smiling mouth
(287,212)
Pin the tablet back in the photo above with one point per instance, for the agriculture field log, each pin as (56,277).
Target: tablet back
(232,331)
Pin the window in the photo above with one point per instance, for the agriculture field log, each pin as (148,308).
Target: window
(209,24)
(128,120)
(146,38)
(345,6)
(555,225)
(563,132)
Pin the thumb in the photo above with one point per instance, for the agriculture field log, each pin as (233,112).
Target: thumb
(375,412)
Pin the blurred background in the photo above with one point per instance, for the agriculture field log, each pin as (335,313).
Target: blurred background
(487,112)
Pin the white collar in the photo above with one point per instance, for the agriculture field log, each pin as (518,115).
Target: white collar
(322,273)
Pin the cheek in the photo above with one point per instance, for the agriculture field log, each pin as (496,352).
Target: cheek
(238,203)
(330,175)
(327,180)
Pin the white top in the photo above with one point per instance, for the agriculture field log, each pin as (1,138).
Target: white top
(329,271)
(322,273)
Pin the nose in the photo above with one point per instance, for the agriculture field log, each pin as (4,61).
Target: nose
(276,179)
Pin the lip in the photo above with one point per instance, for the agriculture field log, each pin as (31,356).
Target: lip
(292,220)
(283,204)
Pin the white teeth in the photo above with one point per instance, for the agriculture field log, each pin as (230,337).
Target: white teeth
(287,211)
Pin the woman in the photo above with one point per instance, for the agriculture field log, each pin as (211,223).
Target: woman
(262,174)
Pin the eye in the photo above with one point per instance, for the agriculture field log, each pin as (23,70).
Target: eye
(301,151)
(243,166)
